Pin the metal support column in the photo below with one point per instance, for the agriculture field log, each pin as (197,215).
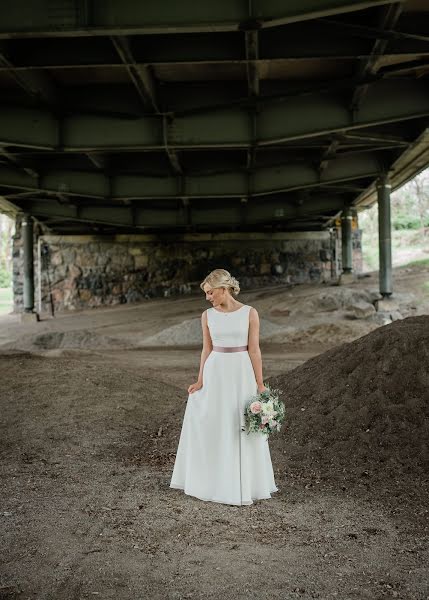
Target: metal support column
(27,241)
(384,236)
(346,240)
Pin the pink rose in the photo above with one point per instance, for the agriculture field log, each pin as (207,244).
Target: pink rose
(265,420)
(256,407)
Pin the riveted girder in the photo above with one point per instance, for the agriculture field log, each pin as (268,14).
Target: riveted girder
(294,118)
(235,113)
(101,17)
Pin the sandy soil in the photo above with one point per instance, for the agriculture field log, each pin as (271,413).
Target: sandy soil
(90,423)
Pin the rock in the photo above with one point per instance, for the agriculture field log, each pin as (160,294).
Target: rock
(386,305)
(56,259)
(74,271)
(328,302)
(280,312)
(85,295)
(28,317)
(346,278)
(381,318)
(141,261)
(373,295)
(361,310)
(134,296)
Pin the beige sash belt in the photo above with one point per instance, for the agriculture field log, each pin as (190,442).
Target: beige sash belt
(230,348)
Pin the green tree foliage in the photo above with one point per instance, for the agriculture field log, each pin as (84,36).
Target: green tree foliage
(410,221)
(410,204)
(7,228)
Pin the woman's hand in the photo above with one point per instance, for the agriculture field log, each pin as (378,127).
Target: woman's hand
(261,388)
(195,386)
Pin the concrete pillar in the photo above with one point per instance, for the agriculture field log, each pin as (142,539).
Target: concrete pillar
(27,242)
(346,240)
(384,236)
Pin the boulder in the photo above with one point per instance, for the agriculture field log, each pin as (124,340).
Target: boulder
(361,310)
(386,305)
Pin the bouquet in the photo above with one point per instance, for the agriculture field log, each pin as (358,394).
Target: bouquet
(264,413)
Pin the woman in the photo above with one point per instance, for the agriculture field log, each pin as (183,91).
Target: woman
(216,459)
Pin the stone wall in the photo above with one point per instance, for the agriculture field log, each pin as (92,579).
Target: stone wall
(86,271)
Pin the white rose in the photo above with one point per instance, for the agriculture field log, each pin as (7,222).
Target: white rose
(268,407)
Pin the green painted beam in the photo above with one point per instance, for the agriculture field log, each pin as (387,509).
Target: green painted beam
(370,66)
(265,181)
(29,128)
(267,212)
(128,17)
(8,208)
(176,53)
(291,119)
(35,83)
(410,163)
(141,76)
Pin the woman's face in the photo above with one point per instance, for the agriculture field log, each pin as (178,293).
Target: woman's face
(215,295)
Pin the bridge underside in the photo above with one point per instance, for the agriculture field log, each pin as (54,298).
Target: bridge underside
(190,117)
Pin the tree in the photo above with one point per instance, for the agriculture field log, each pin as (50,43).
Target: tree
(7,229)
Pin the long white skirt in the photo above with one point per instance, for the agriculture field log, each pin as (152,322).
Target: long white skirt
(215,459)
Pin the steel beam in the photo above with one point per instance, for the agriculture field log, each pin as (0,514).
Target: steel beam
(98,160)
(412,161)
(372,33)
(376,137)
(140,76)
(14,160)
(200,54)
(35,83)
(252,68)
(171,152)
(265,181)
(292,119)
(8,208)
(141,216)
(39,19)
(329,154)
(143,81)
(369,66)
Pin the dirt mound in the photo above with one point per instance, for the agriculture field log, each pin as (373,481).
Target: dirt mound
(189,332)
(336,299)
(324,333)
(52,340)
(357,415)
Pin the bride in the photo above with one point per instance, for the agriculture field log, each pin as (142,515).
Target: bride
(215,459)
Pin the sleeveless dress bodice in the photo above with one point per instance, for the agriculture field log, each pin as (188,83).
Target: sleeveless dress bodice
(229,329)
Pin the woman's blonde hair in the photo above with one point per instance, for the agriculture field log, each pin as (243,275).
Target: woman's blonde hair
(222,278)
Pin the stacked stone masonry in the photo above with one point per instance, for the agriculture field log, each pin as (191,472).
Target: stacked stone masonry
(78,272)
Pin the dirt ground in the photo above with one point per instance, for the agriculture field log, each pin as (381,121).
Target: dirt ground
(91,416)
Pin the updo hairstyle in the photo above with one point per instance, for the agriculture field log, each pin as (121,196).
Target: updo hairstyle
(222,278)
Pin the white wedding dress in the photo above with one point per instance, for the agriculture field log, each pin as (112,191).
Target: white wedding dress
(215,459)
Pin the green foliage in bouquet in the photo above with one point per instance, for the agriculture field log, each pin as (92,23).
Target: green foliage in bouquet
(265,412)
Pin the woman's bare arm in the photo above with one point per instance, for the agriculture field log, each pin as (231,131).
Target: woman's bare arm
(253,346)
(207,344)
(207,348)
